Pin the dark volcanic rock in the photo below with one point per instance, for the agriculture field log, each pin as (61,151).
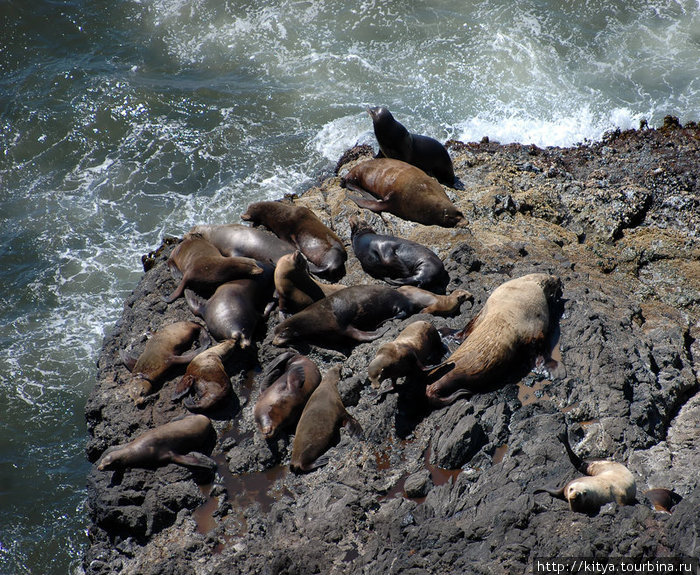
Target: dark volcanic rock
(451,490)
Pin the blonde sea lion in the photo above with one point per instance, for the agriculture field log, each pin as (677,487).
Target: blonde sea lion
(163,350)
(606,481)
(286,386)
(243,241)
(203,268)
(178,442)
(301,227)
(514,320)
(403,190)
(319,425)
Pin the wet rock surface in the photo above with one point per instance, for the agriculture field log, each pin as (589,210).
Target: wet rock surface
(449,490)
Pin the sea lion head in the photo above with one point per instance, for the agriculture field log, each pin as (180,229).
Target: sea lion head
(453,218)
(284,335)
(358,225)
(551,286)
(380,114)
(109,461)
(375,370)
(581,498)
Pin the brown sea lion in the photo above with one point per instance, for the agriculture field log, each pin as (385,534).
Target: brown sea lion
(403,190)
(178,441)
(662,499)
(207,377)
(301,227)
(243,241)
(203,268)
(514,320)
(319,425)
(163,350)
(286,386)
(405,355)
(606,481)
(296,289)
(426,153)
(348,314)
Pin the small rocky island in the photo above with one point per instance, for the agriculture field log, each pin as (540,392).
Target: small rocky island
(448,490)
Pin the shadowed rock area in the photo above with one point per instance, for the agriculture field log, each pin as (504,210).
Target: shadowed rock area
(450,490)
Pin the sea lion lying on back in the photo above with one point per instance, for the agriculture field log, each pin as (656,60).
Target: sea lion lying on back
(203,268)
(607,481)
(244,241)
(163,350)
(514,320)
(403,190)
(426,153)
(300,226)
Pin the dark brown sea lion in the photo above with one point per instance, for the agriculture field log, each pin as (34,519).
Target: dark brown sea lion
(348,314)
(295,288)
(514,320)
(395,260)
(286,386)
(301,227)
(606,481)
(319,425)
(662,499)
(176,442)
(244,241)
(403,190)
(405,355)
(426,153)
(163,350)
(203,268)
(207,377)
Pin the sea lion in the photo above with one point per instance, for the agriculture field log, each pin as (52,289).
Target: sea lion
(174,442)
(426,153)
(295,288)
(244,241)
(207,377)
(395,260)
(319,425)
(301,227)
(286,386)
(203,268)
(662,499)
(606,481)
(514,320)
(405,355)
(349,314)
(163,350)
(403,190)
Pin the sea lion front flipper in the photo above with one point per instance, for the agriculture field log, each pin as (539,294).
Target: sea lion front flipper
(128,359)
(194,459)
(556,493)
(296,377)
(275,369)
(320,462)
(183,387)
(364,336)
(441,369)
(353,426)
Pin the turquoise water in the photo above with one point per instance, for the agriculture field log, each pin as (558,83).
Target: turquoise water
(124,121)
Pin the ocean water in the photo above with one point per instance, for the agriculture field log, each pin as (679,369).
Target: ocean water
(121,122)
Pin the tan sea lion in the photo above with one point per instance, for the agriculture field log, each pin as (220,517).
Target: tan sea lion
(286,386)
(301,227)
(405,355)
(203,268)
(403,190)
(319,425)
(243,241)
(207,377)
(426,153)
(163,350)
(606,481)
(514,320)
(349,314)
(178,441)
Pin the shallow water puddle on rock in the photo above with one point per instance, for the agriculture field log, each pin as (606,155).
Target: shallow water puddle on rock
(528,395)
(499,453)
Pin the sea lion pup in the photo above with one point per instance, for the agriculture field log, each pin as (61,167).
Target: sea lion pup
(319,425)
(354,314)
(403,190)
(426,153)
(607,481)
(295,288)
(203,268)
(174,442)
(395,260)
(406,354)
(243,241)
(286,386)
(514,320)
(662,499)
(207,377)
(300,226)
(163,350)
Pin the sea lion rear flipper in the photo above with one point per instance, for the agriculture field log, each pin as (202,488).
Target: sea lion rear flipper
(128,359)
(363,336)
(353,427)
(556,493)
(177,292)
(441,369)
(372,205)
(196,303)
(576,461)
(194,459)
(320,462)
(556,369)
(296,377)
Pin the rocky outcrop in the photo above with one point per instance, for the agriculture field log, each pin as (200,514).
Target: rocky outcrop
(450,490)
